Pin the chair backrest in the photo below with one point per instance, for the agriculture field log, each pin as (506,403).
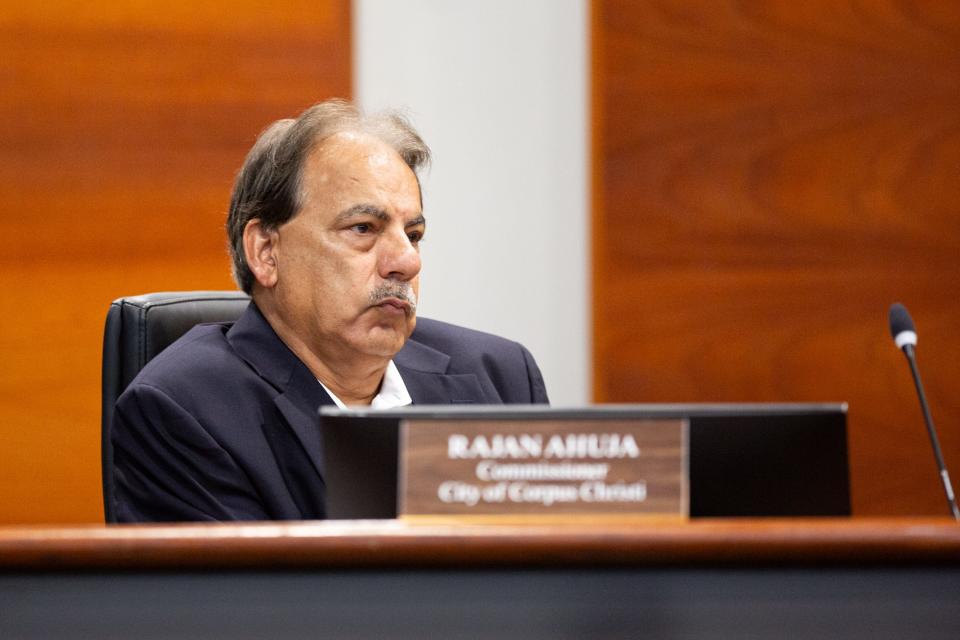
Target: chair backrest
(137,329)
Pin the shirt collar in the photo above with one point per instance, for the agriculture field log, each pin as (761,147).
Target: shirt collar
(393,392)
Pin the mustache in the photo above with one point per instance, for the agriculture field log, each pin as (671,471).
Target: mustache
(400,290)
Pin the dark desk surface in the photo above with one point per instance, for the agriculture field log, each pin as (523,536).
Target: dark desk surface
(603,579)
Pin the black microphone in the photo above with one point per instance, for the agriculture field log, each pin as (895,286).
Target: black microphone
(905,336)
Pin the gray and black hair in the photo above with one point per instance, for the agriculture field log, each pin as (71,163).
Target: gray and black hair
(269,184)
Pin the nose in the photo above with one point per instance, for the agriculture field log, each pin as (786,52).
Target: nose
(399,258)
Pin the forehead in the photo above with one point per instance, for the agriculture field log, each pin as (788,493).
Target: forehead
(349,166)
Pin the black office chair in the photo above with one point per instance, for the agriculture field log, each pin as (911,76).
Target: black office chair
(137,329)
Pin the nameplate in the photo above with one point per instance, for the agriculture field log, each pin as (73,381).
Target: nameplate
(512,467)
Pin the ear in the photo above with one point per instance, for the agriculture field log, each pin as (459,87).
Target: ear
(260,248)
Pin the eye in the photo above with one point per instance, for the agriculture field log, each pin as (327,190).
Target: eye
(415,236)
(362,227)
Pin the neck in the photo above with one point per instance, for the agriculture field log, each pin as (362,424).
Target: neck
(349,393)
(353,377)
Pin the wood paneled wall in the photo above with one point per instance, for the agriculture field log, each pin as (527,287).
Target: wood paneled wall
(768,177)
(122,127)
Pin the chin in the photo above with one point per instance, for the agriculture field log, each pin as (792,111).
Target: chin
(386,342)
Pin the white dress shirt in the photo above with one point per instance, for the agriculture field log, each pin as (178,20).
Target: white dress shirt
(393,393)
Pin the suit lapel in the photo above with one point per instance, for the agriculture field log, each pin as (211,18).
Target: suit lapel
(299,394)
(435,388)
(299,405)
(423,370)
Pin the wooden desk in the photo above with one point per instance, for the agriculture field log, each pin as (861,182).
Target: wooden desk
(604,579)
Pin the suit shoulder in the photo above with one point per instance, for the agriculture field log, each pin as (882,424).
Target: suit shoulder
(453,339)
(200,354)
(506,366)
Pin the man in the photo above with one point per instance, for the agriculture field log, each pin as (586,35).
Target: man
(325,225)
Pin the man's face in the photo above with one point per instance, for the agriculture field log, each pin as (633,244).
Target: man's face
(348,262)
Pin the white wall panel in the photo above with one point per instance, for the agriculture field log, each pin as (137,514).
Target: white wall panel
(498,89)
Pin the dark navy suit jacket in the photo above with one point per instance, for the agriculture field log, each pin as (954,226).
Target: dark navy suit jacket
(223,425)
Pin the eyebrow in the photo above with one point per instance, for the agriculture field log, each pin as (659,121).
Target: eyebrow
(358,210)
(416,222)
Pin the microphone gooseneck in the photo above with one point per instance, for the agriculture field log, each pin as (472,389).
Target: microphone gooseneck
(905,336)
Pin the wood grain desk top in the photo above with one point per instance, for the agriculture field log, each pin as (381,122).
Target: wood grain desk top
(446,543)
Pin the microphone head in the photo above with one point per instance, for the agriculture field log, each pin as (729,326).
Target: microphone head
(901,326)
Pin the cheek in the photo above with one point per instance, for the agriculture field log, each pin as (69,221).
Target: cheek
(352,282)
(338,282)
